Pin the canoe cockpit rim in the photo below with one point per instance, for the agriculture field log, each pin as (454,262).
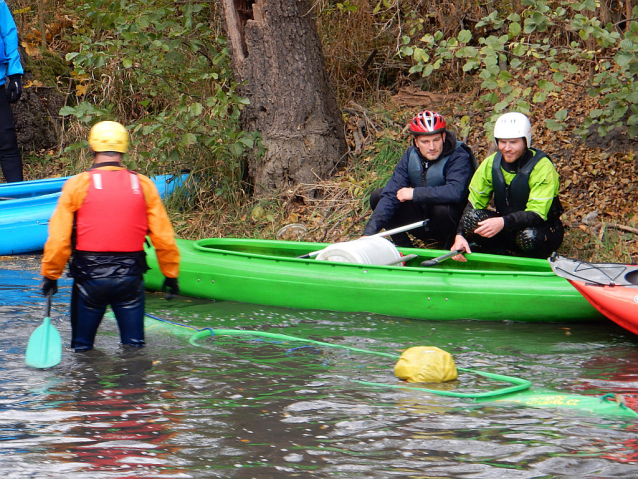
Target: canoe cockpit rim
(222,246)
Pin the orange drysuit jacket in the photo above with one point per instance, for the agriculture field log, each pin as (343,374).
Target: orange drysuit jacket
(58,248)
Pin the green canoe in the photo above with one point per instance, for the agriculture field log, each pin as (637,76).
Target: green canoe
(269,272)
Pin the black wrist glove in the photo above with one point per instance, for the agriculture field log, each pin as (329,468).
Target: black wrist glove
(49,286)
(171,285)
(14,88)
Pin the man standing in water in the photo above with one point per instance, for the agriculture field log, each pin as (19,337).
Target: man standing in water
(103,217)
(11,83)
(524,184)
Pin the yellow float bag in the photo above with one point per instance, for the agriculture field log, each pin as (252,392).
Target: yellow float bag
(425,364)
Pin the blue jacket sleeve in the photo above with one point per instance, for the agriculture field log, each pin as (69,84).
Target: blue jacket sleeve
(9,34)
(388,203)
(458,173)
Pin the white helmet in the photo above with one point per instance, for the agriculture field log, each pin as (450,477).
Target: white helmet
(513,125)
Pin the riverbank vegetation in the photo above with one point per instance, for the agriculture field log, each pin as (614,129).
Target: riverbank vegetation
(162,68)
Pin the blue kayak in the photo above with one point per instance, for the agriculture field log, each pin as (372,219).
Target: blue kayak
(29,189)
(26,207)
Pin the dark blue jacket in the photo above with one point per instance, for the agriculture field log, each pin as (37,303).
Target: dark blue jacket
(458,172)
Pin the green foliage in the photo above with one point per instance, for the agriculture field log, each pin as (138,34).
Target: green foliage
(47,67)
(160,68)
(387,153)
(530,50)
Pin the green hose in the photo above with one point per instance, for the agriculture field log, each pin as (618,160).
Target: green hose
(519,393)
(241,332)
(519,384)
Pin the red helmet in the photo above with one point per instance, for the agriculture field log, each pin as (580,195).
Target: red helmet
(427,123)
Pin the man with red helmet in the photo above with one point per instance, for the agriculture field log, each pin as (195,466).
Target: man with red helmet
(429,182)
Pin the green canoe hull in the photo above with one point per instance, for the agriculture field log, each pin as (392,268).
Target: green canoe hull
(604,405)
(268,272)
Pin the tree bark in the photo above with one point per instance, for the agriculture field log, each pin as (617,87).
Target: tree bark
(276,55)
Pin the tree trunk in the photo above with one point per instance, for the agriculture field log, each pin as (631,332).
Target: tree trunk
(276,54)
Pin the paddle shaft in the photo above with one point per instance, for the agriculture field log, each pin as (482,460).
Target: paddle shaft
(400,229)
(435,261)
(401,259)
(47,305)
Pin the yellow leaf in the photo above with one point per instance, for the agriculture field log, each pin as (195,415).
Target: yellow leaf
(80,77)
(80,90)
(31,50)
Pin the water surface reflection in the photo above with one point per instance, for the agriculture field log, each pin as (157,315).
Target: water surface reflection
(251,408)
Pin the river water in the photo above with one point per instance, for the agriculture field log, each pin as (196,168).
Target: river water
(245,407)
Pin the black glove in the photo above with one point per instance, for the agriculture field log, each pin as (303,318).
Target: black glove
(170,285)
(14,88)
(49,286)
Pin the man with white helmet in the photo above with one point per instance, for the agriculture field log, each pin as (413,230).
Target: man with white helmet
(429,182)
(102,218)
(524,185)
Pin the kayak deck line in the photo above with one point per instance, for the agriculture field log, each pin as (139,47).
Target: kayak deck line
(603,274)
(518,393)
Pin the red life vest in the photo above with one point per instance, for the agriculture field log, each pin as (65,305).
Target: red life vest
(113,215)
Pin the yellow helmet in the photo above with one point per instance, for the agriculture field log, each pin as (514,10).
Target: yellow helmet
(108,136)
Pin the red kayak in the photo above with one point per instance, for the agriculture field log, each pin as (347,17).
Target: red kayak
(611,288)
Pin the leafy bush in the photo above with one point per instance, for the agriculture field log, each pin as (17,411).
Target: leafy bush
(524,53)
(162,69)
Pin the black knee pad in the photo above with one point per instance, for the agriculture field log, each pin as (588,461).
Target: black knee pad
(531,242)
(471,219)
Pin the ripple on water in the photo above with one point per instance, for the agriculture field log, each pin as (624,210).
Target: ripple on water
(241,408)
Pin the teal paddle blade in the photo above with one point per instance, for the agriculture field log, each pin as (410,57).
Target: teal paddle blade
(44,349)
